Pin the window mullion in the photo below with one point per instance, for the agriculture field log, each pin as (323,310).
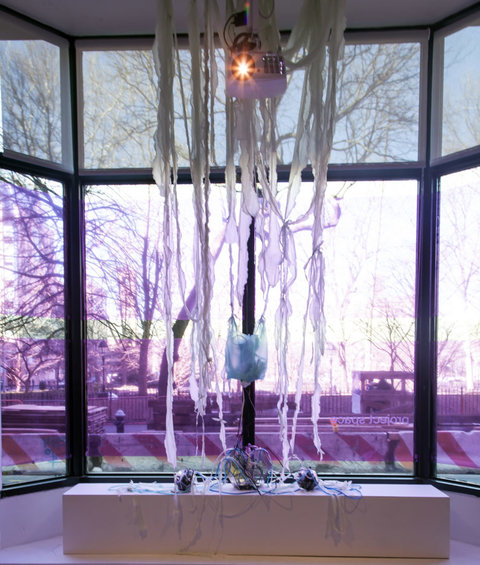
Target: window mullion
(426,300)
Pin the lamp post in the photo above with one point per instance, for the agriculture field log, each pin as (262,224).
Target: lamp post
(103,346)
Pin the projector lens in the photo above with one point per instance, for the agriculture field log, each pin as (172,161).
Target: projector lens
(243,67)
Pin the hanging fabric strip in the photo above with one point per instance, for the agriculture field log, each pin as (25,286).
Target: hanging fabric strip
(163,166)
(320,29)
(314,46)
(203,88)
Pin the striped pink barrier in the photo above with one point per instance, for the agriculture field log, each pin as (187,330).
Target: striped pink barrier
(32,448)
(457,448)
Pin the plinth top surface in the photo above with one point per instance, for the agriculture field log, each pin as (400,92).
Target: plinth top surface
(167,489)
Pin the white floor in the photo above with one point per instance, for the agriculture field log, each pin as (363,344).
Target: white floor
(50,552)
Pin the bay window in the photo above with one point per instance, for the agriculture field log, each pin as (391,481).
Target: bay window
(82,303)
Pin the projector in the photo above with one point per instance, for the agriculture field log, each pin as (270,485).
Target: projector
(255,74)
(251,72)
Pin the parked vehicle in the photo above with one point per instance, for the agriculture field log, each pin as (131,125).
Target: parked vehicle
(382,391)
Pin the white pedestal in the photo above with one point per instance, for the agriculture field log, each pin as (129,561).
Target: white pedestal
(388,521)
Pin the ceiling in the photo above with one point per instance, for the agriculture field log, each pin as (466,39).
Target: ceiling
(132,17)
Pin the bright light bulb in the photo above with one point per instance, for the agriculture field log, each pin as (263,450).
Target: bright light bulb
(243,67)
(243,70)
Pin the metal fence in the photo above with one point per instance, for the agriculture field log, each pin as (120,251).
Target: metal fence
(136,408)
(458,403)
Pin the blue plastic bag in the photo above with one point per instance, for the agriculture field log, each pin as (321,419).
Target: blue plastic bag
(246,355)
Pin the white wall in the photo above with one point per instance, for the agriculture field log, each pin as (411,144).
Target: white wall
(30,517)
(464,517)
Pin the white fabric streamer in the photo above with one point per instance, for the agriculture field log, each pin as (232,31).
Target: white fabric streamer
(315,46)
(165,161)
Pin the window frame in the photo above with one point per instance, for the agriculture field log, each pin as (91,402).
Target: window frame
(426,171)
(104,44)
(417,35)
(453,25)
(447,166)
(41,32)
(64,179)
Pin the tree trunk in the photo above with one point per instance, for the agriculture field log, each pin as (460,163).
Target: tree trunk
(143,358)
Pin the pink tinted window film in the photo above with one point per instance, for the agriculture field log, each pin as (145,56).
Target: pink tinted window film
(32,329)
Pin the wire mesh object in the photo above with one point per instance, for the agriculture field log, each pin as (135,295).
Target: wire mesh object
(246,468)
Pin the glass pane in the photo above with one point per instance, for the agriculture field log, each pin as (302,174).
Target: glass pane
(366,375)
(32,329)
(120,121)
(461,89)
(378,104)
(126,363)
(378,107)
(458,379)
(119,114)
(217,121)
(31,94)
(287,116)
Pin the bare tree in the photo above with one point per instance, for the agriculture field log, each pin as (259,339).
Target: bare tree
(31,98)
(119,117)
(32,275)
(459,268)
(126,261)
(378,103)
(370,279)
(461,117)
